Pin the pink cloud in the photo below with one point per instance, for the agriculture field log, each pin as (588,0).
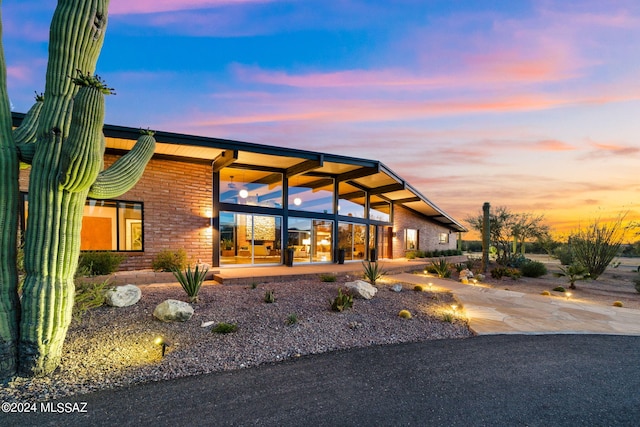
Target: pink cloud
(552,145)
(617,150)
(122,7)
(21,73)
(276,108)
(479,73)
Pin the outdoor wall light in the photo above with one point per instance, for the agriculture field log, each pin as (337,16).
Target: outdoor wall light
(162,343)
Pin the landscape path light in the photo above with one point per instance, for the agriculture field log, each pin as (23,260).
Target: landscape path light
(163,344)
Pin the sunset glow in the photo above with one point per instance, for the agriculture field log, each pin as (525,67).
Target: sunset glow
(533,105)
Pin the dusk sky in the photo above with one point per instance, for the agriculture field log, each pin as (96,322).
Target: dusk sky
(534,105)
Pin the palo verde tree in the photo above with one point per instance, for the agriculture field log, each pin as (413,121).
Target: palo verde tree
(61,138)
(509,230)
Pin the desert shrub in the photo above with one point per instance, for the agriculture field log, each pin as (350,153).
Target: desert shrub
(269,297)
(405,314)
(573,273)
(447,317)
(441,267)
(292,319)
(342,301)
(545,293)
(373,271)
(328,278)
(533,269)
(191,280)
(421,254)
(559,289)
(419,288)
(169,260)
(597,244)
(410,255)
(516,261)
(564,254)
(501,271)
(617,304)
(87,297)
(98,263)
(224,328)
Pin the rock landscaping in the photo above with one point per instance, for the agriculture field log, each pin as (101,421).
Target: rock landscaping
(117,346)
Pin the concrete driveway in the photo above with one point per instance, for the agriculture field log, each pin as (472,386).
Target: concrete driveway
(496,311)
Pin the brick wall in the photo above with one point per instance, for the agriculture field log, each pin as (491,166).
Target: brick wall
(177,206)
(428,232)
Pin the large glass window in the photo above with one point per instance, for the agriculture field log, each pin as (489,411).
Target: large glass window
(351,200)
(310,240)
(352,238)
(250,239)
(311,194)
(249,187)
(107,225)
(379,209)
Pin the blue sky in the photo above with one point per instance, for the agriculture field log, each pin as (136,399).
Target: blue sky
(529,104)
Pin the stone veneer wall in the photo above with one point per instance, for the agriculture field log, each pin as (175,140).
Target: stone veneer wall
(177,205)
(428,234)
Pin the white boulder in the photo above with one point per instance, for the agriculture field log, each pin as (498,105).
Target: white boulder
(172,310)
(122,296)
(361,289)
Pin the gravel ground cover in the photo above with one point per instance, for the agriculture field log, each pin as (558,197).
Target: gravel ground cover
(115,347)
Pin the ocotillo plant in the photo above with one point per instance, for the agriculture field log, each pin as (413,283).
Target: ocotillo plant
(65,151)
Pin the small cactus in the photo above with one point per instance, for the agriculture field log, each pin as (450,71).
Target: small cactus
(269,297)
(405,314)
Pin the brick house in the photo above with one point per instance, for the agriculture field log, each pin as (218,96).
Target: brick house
(232,203)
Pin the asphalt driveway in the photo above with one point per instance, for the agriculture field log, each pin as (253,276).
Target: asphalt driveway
(496,380)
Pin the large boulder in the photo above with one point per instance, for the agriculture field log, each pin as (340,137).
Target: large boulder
(361,289)
(122,296)
(172,310)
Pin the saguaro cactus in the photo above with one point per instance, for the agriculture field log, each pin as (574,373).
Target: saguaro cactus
(66,151)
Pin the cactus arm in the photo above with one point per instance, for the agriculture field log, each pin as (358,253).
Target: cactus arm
(125,172)
(25,135)
(9,302)
(82,154)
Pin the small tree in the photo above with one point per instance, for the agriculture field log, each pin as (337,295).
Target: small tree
(595,245)
(507,227)
(573,273)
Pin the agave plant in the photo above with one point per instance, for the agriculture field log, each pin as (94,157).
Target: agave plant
(441,267)
(373,271)
(191,280)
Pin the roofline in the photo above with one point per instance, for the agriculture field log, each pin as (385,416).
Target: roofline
(131,133)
